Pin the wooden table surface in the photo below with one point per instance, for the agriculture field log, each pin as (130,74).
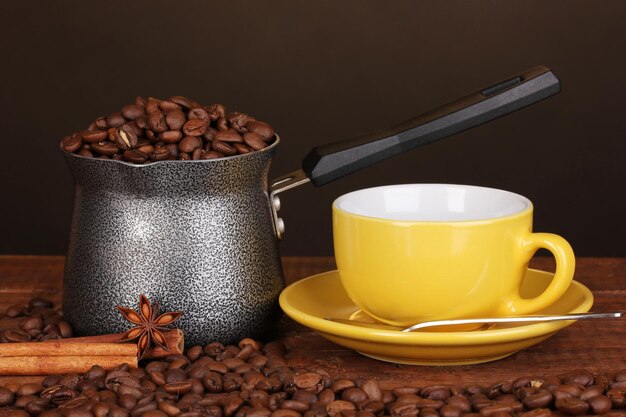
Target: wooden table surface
(597,346)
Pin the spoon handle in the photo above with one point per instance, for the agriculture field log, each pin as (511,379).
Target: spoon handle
(517,319)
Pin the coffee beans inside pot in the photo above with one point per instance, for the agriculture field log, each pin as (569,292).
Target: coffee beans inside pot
(178,128)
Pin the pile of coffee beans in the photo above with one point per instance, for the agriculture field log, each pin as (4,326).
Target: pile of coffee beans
(251,380)
(254,380)
(178,128)
(36,321)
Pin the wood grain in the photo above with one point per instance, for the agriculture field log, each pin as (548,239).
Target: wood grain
(598,346)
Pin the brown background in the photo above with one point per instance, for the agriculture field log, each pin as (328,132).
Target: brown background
(321,71)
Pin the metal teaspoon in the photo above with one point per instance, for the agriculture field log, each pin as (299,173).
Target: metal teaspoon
(482,320)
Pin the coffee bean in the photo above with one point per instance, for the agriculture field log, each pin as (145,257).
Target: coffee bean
(241,148)
(238,121)
(496,410)
(94,136)
(567,390)
(31,323)
(199,113)
(354,395)
(197,154)
(189,143)
(540,412)
(541,399)
(16,335)
(160,153)
(115,119)
(181,101)
(152,106)
(15,310)
(135,156)
(86,153)
(258,412)
(167,105)
(435,392)
(617,397)
(254,141)
(70,144)
(591,392)
(600,404)
(104,148)
(218,109)
(571,405)
(101,123)
(6,396)
(169,408)
(117,411)
(156,122)
(450,411)
(125,138)
(100,409)
(65,329)
(618,384)
(295,405)
(127,401)
(175,375)
(29,389)
(428,412)
(461,402)
(178,388)
(180,361)
(215,155)
(577,378)
(171,136)
(228,136)
(194,127)
(50,413)
(141,122)
(143,409)
(339,406)
(223,148)
(221,124)
(18,413)
(148,149)
(133,111)
(231,404)
(261,128)
(402,408)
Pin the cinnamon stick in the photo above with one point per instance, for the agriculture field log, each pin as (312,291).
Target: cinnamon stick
(43,358)
(69,348)
(78,354)
(45,365)
(174,340)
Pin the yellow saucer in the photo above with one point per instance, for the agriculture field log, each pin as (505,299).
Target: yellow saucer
(312,299)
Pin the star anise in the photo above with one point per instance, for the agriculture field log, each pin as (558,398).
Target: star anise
(150,325)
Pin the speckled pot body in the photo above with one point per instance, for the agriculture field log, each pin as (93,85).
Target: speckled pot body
(196,236)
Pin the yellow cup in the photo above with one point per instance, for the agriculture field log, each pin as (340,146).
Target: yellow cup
(416,252)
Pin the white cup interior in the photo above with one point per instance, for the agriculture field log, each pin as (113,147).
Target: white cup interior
(432,202)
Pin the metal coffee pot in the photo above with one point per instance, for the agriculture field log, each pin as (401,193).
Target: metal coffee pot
(202,237)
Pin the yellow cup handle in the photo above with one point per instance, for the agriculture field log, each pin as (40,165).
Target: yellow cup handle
(565,265)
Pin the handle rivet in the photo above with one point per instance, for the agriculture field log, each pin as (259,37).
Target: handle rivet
(280,225)
(276,202)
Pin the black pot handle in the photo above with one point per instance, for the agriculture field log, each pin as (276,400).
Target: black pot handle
(327,163)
